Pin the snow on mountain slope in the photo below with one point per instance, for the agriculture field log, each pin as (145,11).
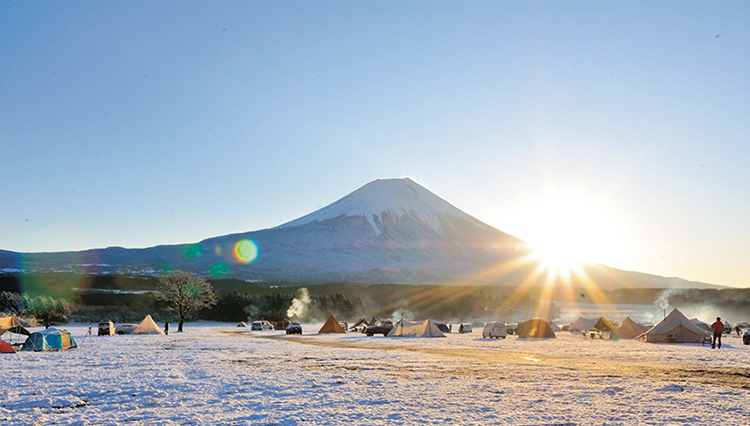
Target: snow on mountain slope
(384,199)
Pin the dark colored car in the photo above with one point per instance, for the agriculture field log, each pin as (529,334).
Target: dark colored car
(380,327)
(106,328)
(294,328)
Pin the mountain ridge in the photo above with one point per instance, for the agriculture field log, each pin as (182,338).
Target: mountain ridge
(389,230)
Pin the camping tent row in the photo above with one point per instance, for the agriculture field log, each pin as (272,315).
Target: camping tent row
(403,328)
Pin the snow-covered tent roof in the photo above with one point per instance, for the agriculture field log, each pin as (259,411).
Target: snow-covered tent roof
(147,326)
(675,328)
(629,329)
(426,328)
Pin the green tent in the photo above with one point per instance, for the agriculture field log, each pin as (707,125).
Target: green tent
(50,339)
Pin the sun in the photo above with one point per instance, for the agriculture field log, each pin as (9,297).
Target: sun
(566,232)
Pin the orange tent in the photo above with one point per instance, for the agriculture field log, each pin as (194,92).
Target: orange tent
(331,326)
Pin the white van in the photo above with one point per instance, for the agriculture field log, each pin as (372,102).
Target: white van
(495,330)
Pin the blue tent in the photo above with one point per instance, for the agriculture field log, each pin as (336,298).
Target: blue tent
(50,339)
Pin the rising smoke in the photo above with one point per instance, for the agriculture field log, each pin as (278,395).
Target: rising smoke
(300,305)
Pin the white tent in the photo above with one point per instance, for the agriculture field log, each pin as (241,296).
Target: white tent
(675,328)
(702,325)
(426,328)
(582,324)
(147,326)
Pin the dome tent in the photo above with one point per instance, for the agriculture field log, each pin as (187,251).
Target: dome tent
(51,339)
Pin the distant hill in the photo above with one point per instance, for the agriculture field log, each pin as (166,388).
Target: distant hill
(388,231)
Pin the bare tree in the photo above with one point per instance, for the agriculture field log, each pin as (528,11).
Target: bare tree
(185,292)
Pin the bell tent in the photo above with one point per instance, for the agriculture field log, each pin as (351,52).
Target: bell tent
(51,339)
(147,326)
(629,329)
(331,326)
(426,328)
(675,328)
(535,329)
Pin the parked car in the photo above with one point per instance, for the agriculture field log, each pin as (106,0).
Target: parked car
(381,327)
(106,328)
(464,328)
(495,330)
(728,328)
(125,328)
(261,325)
(294,328)
(511,329)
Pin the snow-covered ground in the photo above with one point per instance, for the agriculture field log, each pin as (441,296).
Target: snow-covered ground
(219,374)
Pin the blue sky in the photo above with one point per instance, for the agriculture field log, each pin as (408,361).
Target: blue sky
(622,125)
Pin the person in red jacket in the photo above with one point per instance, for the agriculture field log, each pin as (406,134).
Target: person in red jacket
(718,328)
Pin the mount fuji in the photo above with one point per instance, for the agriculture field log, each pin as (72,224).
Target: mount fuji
(388,231)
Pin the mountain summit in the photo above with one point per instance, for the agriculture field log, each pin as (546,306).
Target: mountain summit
(388,231)
(385,201)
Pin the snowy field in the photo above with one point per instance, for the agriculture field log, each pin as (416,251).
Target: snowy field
(219,374)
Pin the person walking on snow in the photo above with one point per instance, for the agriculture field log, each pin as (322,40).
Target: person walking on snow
(166,328)
(718,328)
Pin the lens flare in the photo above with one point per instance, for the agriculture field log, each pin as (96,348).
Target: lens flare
(191,251)
(245,251)
(218,269)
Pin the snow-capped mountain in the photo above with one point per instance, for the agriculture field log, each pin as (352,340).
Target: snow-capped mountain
(388,231)
(385,201)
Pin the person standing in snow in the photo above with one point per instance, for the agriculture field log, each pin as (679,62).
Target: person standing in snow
(166,328)
(718,328)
